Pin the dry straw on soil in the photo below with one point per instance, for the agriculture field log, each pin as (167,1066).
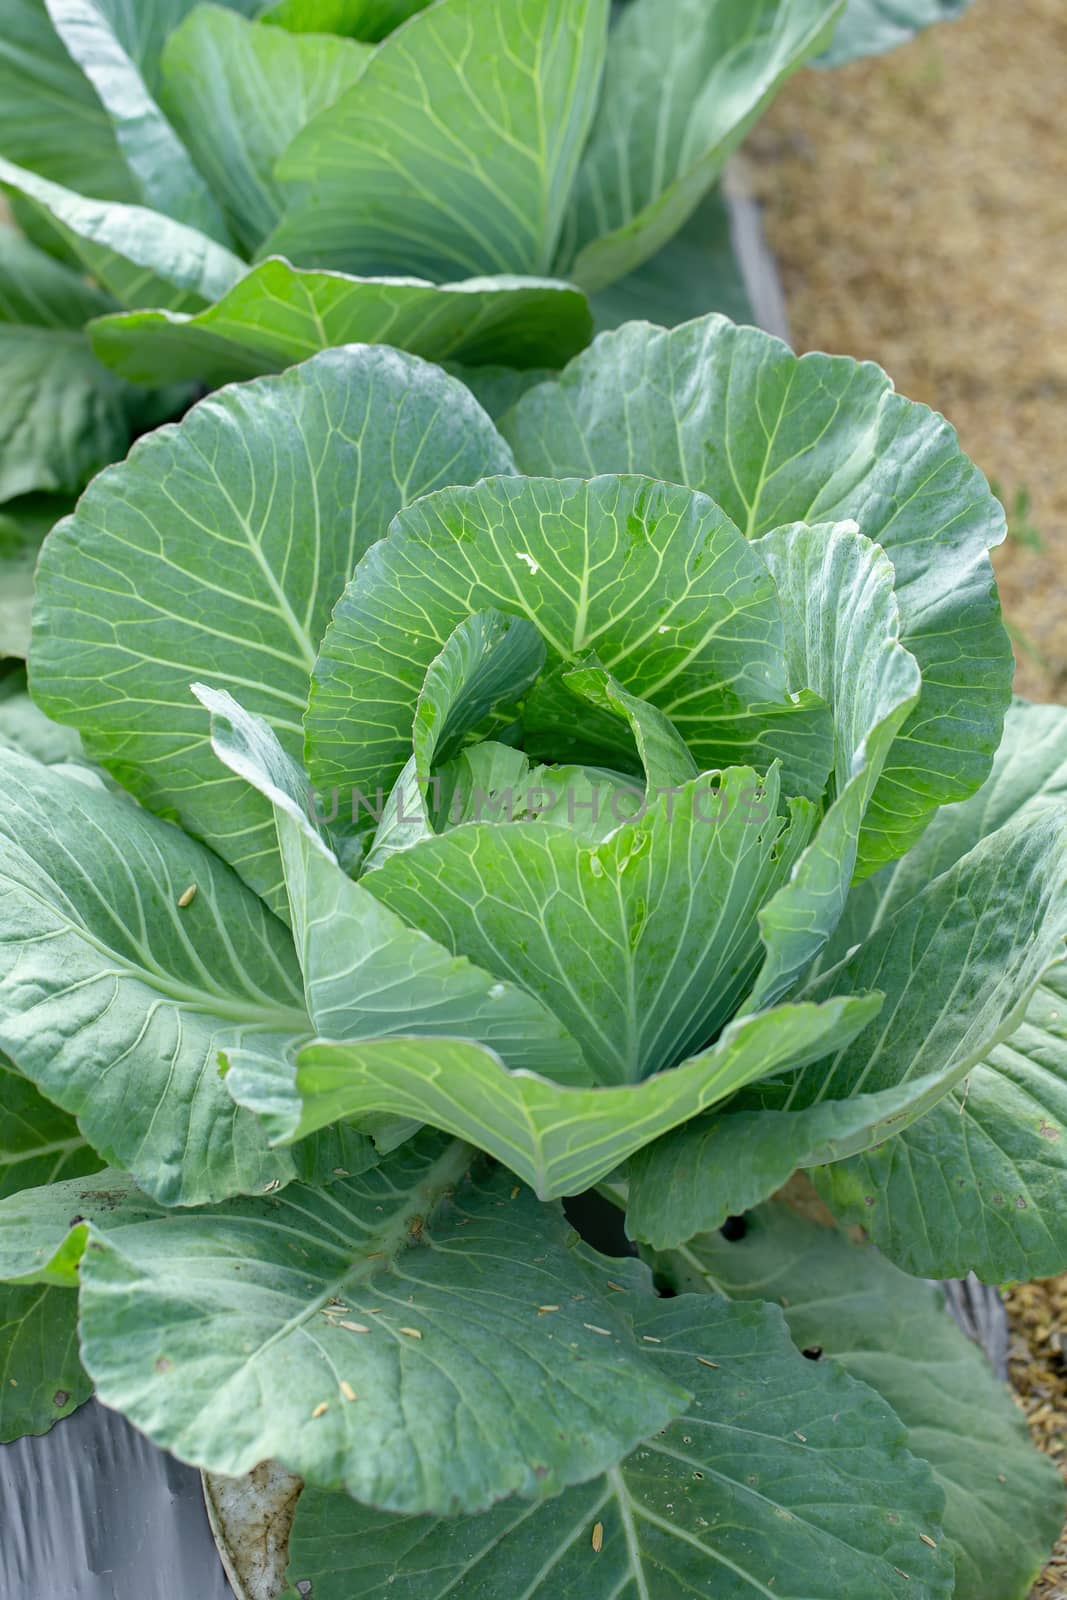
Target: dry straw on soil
(1038,1364)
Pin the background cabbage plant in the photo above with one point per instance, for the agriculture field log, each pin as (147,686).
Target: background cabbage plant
(462,815)
(213,191)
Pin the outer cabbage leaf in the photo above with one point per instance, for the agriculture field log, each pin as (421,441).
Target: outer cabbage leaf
(1028,780)
(41,1377)
(394,1321)
(26,729)
(23,524)
(1004,1503)
(957,962)
(367,975)
(558,1138)
(39,1143)
(980,1182)
(51,118)
(44,1232)
(683,83)
(278,315)
(775,438)
(115,999)
(37,289)
(239,93)
(719,1166)
(781,1472)
(217,551)
(870,27)
(139,256)
(455,152)
(143,29)
(63,415)
(163,171)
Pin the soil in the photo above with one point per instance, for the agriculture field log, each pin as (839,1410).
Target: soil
(917,207)
(1038,1364)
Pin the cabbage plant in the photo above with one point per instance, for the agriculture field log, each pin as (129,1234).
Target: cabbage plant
(214,191)
(440,820)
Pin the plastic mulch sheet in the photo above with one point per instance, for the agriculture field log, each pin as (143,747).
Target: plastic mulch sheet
(93,1511)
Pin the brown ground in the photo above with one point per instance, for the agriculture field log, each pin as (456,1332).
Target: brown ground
(917,206)
(1038,1362)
